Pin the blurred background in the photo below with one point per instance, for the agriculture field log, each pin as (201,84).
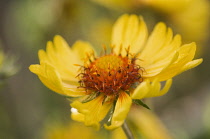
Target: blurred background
(28,110)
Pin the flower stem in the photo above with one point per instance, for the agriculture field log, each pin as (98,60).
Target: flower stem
(127,131)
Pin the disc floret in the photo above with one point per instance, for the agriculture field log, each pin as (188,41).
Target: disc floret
(110,74)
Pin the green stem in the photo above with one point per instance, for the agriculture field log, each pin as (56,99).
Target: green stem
(127,131)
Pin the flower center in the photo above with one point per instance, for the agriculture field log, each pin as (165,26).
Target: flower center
(110,74)
(109,62)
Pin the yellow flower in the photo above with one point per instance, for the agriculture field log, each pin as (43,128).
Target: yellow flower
(149,125)
(116,4)
(144,124)
(171,6)
(105,85)
(70,130)
(191,23)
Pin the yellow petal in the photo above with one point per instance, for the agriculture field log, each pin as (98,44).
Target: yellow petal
(81,49)
(43,56)
(187,51)
(48,76)
(129,31)
(141,90)
(186,54)
(147,89)
(160,47)
(94,111)
(160,51)
(155,88)
(64,58)
(72,89)
(164,53)
(154,69)
(61,57)
(121,110)
(191,65)
(156,41)
(168,48)
(51,78)
(75,115)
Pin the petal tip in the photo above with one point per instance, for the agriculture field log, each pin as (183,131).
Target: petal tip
(33,68)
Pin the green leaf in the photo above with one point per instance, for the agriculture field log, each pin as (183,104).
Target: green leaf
(139,102)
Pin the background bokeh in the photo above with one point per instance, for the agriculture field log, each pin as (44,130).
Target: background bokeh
(28,108)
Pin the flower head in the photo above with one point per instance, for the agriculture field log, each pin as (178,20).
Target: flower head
(105,85)
(191,23)
(70,130)
(145,124)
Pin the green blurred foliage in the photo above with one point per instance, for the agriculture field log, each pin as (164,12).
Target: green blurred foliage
(26,104)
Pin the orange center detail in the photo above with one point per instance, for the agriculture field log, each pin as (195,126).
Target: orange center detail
(110,74)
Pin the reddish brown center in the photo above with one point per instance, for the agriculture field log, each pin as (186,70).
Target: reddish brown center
(110,74)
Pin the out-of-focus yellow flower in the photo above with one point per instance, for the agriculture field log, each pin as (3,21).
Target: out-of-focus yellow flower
(134,69)
(103,27)
(148,125)
(191,23)
(144,124)
(70,131)
(167,6)
(116,4)
(118,134)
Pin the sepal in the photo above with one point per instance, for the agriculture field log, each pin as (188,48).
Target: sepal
(139,102)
